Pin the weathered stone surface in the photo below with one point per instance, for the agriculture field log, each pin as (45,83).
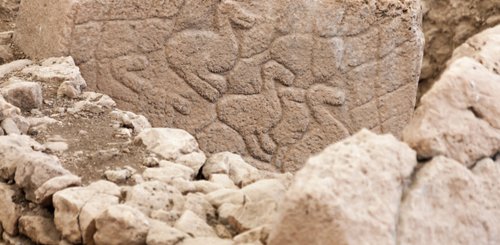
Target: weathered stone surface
(121,225)
(198,204)
(71,203)
(348,194)
(249,215)
(163,234)
(184,186)
(90,211)
(6,53)
(224,180)
(60,70)
(272,80)
(169,217)
(483,47)
(10,211)
(205,241)
(255,205)
(13,66)
(34,170)
(9,9)
(460,116)
(38,174)
(43,194)
(449,204)
(93,102)
(269,189)
(39,229)
(168,172)
(119,175)
(447,24)
(10,127)
(6,36)
(174,145)
(206,186)
(12,149)
(7,110)
(233,165)
(222,231)
(131,120)
(16,240)
(219,197)
(194,226)
(25,95)
(253,236)
(154,195)
(21,123)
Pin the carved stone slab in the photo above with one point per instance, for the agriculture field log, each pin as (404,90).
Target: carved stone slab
(274,80)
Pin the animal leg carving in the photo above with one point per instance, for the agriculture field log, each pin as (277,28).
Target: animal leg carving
(321,95)
(202,87)
(216,81)
(254,148)
(123,69)
(268,145)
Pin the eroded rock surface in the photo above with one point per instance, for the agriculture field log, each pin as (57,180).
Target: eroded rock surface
(449,204)
(272,80)
(459,116)
(11,212)
(121,224)
(39,229)
(447,24)
(348,194)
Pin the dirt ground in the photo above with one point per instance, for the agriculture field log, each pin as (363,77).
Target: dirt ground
(94,145)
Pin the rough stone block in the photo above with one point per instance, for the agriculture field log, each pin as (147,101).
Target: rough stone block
(273,80)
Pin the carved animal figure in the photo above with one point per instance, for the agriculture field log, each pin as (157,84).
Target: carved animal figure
(306,121)
(200,56)
(320,131)
(313,59)
(253,116)
(125,69)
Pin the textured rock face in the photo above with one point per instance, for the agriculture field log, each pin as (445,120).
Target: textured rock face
(121,224)
(449,204)
(447,24)
(348,194)
(273,80)
(174,145)
(460,116)
(39,229)
(8,12)
(77,208)
(10,211)
(483,47)
(25,95)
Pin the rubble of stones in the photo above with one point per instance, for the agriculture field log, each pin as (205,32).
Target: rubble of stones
(168,202)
